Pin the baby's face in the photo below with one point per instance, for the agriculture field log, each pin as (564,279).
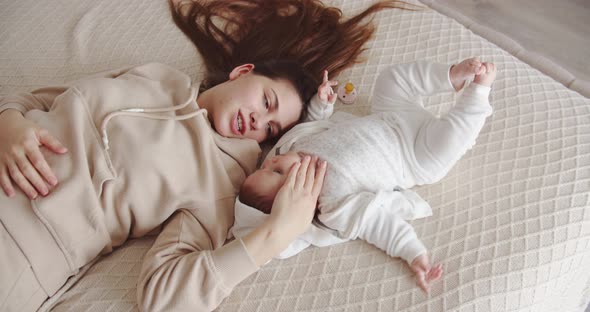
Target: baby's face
(273,173)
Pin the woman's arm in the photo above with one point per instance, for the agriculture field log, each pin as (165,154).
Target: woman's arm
(182,272)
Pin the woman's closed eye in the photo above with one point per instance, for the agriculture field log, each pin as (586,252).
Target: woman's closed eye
(266,104)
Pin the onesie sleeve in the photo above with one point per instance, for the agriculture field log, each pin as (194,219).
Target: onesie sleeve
(318,109)
(379,218)
(182,272)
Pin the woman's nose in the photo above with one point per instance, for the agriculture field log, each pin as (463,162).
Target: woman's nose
(256,120)
(253,120)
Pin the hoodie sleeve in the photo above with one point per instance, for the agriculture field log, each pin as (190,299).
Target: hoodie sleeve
(379,218)
(181,272)
(43,98)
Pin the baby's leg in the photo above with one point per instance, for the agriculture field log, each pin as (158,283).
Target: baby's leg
(441,142)
(400,87)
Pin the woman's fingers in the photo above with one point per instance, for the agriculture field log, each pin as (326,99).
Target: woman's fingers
(310,174)
(49,141)
(40,164)
(22,165)
(290,182)
(21,181)
(27,169)
(6,184)
(318,181)
(302,173)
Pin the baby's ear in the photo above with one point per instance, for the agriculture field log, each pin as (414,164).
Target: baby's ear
(266,205)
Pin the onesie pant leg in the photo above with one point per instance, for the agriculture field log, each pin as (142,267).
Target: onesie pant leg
(441,142)
(19,288)
(433,145)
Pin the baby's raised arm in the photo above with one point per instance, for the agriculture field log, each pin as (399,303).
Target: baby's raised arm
(321,105)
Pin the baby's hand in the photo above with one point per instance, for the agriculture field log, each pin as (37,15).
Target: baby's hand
(425,274)
(325,91)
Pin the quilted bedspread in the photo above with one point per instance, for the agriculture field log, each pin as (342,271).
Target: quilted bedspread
(511,221)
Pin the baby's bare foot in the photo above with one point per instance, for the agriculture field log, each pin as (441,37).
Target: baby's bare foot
(487,75)
(463,71)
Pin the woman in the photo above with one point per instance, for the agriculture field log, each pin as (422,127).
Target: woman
(123,173)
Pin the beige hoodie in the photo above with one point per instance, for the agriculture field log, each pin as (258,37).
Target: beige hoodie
(125,173)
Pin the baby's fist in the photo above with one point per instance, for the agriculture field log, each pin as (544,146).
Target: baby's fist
(325,91)
(425,274)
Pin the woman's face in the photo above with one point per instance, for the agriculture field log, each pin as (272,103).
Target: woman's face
(251,106)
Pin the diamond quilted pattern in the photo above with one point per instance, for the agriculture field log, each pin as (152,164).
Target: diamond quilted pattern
(511,221)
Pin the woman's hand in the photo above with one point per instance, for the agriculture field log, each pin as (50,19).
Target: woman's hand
(21,160)
(292,211)
(294,205)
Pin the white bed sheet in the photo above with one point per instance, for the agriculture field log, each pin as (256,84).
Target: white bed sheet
(511,221)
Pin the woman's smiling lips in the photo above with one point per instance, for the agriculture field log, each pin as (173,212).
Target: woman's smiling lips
(236,124)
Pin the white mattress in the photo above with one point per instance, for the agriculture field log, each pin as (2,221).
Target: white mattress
(511,221)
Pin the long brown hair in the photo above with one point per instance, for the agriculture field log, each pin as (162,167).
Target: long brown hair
(228,33)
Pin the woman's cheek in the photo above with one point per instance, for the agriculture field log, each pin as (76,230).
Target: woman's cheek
(256,136)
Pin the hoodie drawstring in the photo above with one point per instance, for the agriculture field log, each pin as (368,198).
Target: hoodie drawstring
(151,113)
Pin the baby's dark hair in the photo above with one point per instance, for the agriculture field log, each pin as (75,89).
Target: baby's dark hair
(251,196)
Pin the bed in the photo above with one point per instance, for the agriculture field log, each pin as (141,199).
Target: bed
(511,221)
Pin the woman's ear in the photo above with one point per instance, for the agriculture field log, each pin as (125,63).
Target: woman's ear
(240,70)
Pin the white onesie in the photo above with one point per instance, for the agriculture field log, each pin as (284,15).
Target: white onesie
(374,159)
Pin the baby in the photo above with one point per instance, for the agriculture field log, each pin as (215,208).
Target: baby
(374,159)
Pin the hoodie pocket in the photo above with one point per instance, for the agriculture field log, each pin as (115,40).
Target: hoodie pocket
(73,210)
